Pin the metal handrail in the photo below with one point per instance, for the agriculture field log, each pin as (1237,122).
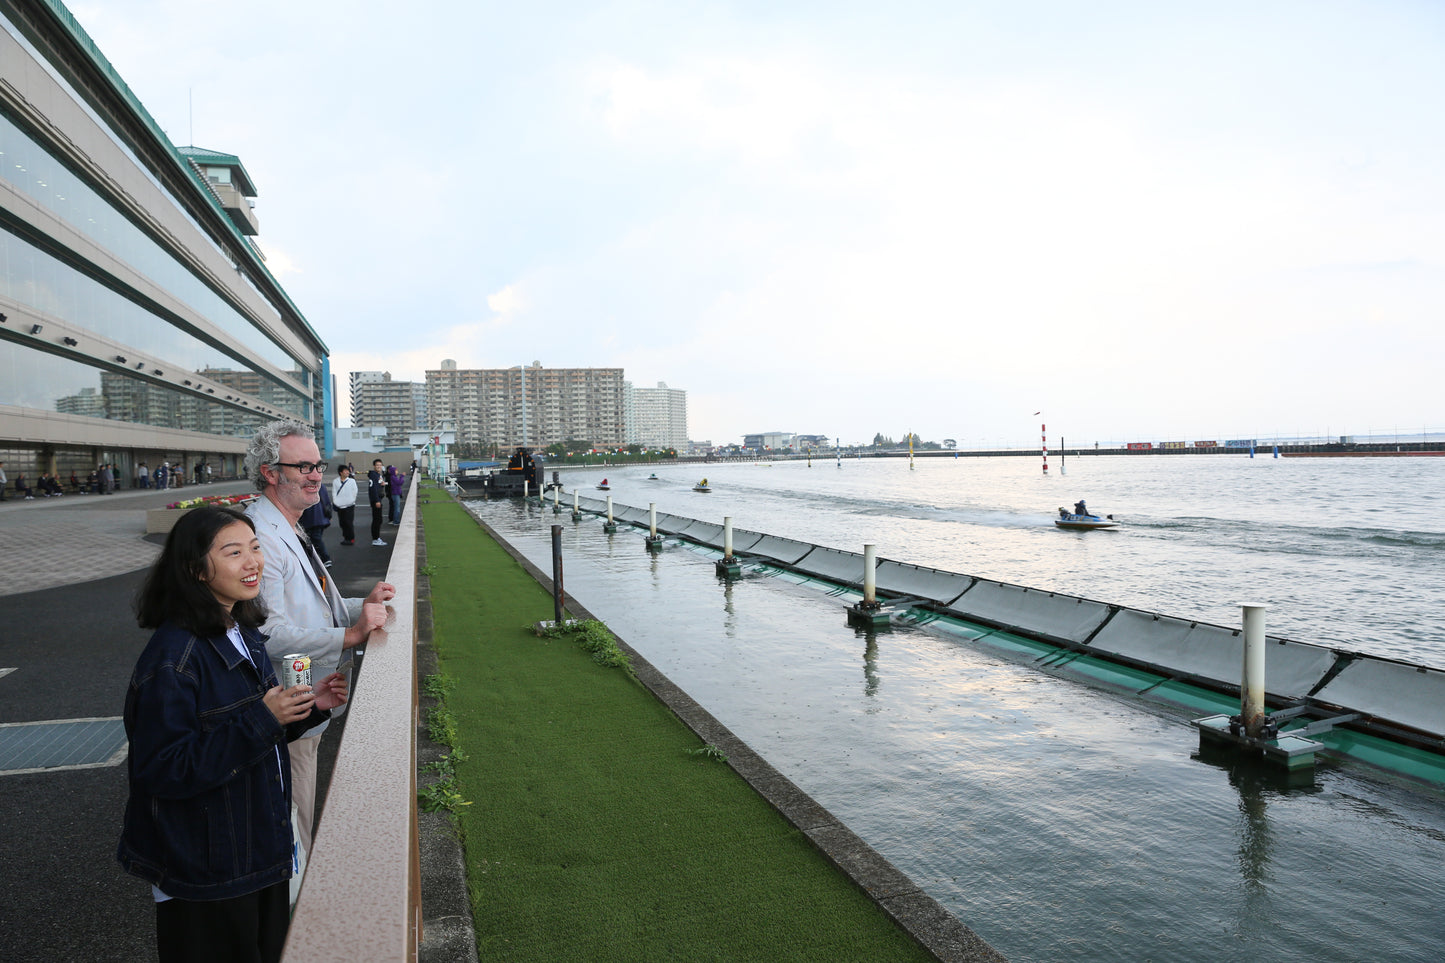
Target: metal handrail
(361,899)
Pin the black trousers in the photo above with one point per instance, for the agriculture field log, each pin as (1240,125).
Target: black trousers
(347,518)
(243,929)
(378,513)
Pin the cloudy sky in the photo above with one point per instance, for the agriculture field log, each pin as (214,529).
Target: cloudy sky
(1151,221)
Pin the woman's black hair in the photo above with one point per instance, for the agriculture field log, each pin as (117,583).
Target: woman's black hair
(174,592)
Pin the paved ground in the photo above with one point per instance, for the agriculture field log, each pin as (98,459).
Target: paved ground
(67,634)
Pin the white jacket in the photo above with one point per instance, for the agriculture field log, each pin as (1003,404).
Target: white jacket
(343,492)
(303,617)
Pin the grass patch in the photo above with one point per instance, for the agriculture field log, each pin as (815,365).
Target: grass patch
(595,834)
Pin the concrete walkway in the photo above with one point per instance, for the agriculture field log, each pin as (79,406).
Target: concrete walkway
(68,643)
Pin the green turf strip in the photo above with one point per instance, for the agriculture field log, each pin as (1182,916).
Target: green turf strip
(593,834)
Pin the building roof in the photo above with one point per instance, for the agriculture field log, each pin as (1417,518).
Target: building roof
(214,158)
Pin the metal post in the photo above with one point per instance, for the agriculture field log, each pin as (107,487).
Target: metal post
(526,489)
(652,520)
(609,509)
(1251,684)
(727,536)
(870,576)
(557,574)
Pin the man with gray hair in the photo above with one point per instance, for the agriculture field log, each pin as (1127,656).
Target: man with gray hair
(306,615)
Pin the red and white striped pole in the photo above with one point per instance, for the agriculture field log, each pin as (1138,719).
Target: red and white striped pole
(1044,436)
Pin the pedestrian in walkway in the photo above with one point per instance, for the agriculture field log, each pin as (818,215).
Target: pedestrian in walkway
(22,490)
(208,820)
(2,481)
(142,476)
(306,614)
(376,494)
(395,486)
(343,500)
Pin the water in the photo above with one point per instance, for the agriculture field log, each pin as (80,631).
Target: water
(1346,552)
(1061,823)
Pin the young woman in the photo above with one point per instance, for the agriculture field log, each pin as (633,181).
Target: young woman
(208,822)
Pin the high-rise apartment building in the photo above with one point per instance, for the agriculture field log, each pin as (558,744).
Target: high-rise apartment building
(138,321)
(378,402)
(532,406)
(656,417)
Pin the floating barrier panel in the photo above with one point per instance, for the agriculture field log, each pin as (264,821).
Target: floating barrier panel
(1413,696)
(845,568)
(1049,614)
(1212,652)
(671,524)
(924,583)
(709,534)
(784,550)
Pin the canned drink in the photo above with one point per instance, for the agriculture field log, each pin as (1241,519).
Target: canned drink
(295,670)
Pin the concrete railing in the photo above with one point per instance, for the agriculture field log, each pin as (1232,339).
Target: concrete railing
(362,895)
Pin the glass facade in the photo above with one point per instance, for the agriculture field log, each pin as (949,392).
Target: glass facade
(43,282)
(47,382)
(34,172)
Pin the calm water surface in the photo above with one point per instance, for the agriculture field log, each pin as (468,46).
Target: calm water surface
(1061,823)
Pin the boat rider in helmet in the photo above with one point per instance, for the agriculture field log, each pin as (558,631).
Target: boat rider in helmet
(1080,508)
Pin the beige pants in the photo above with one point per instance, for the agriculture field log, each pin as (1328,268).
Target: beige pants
(303,787)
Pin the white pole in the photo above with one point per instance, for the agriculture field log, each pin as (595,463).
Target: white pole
(609,509)
(1251,683)
(576,507)
(526,489)
(870,577)
(652,518)
(556,499)
(727,536)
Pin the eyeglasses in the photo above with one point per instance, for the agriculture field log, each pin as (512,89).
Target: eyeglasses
(304,467)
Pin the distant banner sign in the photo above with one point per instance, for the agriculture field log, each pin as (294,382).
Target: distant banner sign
(1174,444)
(1206,444)
(1140,445)
(1240,443)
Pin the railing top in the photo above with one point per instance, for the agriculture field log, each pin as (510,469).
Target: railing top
(361,897)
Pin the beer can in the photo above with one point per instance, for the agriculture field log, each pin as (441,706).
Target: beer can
(295,670)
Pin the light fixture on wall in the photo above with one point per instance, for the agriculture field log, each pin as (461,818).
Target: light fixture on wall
(4,318)
(37,328)
(120,359)
(71,341)
(139,365)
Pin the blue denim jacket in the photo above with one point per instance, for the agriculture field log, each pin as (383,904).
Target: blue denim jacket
(209,813)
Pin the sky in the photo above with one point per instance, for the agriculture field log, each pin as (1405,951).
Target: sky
(1147,221)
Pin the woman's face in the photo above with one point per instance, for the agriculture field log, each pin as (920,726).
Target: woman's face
(234,565)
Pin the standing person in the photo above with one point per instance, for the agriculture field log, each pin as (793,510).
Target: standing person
(2,481)
(142,476)
(107,479)
(376,494)
(208,821)
(343,499)
(315,520)
(395,485)
(307,615)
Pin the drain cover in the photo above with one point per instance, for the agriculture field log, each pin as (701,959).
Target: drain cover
(61,744)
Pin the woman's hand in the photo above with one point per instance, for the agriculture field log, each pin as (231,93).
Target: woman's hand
(331,691)
(290,705)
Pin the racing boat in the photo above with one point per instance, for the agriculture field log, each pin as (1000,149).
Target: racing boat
(604,486)
(701,486)
(1083,523)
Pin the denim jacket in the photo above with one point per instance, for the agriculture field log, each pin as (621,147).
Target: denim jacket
(209,813)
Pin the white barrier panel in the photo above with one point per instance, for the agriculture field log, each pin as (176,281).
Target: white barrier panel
(1211,651)
(1059,616)
(927,583)
(845,568)
(784,550)
(1409,695)
(626,513)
